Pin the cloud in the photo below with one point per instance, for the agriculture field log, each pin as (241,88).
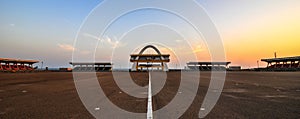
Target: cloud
(91,36)
(70,48)
(66,47)
(85,52)
(107,40)
(12,25)
(197,49)
(178,41)
(114,43)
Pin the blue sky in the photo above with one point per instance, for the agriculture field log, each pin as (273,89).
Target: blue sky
(32,29)
(45,29)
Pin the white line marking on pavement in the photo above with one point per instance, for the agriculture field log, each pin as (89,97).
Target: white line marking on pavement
(149,111)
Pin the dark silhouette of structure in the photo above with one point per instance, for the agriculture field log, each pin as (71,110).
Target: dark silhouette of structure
(283,64)
(91,67)
(234,68)
(208,66)
(149,61)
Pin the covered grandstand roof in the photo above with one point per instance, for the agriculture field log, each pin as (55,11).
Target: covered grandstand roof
(208,63)
(148,55)
(90,63)
(283,59)
(149,58)
(11,60)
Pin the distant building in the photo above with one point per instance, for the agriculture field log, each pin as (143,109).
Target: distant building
(16,65)
(234,68)
(65,69)
(208,66)
(91,66)
(283,64)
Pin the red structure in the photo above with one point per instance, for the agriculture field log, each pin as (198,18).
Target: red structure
(283,64)
(14,65)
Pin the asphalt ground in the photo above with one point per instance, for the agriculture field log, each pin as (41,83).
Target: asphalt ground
(245,95)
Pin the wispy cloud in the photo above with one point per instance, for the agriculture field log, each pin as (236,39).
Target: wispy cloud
(84,52)
(91,36)
(66,47)
(197,49)
(70,48)
(178,41)
(113,43)
(12,25)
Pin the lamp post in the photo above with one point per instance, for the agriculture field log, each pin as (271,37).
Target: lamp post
(42,65)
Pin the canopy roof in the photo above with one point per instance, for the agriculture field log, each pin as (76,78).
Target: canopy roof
(208,63)
(149,58)
(149,55)
(283,59)
(90,63)
(11,60)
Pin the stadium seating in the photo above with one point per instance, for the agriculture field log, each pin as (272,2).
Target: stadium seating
(6,68)
(22,67)
(296,65)
(15,67)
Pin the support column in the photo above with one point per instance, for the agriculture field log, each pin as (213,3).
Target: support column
(162,66)
(137,66)
(9,67)
(292,62)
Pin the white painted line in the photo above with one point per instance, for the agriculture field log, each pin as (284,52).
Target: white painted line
(149,111)
(97,109)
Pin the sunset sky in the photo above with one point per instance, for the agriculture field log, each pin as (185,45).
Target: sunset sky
(45,30)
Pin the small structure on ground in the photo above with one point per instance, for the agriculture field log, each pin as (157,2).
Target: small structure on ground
(65,69)
(234,68)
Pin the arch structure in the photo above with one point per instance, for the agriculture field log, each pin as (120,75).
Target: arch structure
(146,62)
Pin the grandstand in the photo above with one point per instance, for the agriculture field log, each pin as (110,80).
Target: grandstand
(208,66)
(146,62)
(16,65)
(283,64)
(91,67)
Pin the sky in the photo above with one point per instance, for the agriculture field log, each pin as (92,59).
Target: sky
(45,30)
